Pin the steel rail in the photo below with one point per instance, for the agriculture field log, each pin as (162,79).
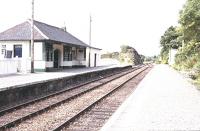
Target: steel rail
(68,121)
(10,109)
(19,120)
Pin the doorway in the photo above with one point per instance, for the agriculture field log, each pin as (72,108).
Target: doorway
(56,59)
(95,60)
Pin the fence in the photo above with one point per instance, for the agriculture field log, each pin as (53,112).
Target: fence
(11,66)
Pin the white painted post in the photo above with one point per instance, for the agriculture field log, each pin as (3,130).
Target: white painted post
(90,30)
(32,39)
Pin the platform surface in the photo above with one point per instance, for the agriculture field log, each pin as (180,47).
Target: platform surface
(7,81)
(164,100)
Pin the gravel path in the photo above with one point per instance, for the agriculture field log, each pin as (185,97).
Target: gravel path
(164,100)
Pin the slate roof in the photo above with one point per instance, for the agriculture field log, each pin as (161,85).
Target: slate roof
(42,32)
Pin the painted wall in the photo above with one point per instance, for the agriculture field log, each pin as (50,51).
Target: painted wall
(172,54)
(10,47)
(80,54)
(92,57)
(39,60)
(40,63)
(67,63)
(23,63)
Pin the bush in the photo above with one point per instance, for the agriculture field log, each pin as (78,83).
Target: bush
(158,61)
(189,63)
(197,65)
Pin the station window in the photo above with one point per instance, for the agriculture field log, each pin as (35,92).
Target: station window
(49,52)
(18,51)
(67,53)
(8,54)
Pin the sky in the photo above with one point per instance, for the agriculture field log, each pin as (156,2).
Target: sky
(138,23)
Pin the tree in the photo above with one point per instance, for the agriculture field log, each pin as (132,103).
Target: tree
(171,39)
(142,58)
(190,26)
(124,48)
(190,20)
(188,56)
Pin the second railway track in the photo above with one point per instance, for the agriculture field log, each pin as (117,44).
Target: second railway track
(60,108)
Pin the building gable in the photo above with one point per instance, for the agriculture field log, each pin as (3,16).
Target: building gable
(42,31)
(20,32)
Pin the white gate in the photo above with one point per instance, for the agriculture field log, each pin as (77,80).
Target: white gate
(11,66)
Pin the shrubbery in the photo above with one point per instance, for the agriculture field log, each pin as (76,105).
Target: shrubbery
(186,38)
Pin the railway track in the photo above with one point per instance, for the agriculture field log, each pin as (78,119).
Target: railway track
(18,114)
(10,109)
(96,116)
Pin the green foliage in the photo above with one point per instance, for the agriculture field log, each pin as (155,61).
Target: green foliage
(190,20)
(164,54)
(125,48)
(197,66)
(142,58)
(188,56)
(114,55)
(189,63)
(121,58)
(127,55)
(171,39)
(150,59)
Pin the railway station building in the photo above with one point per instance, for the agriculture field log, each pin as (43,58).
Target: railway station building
(54,48)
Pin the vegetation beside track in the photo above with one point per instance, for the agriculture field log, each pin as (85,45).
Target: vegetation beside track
(186,39)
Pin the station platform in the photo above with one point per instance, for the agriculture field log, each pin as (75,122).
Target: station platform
(164,100)
(17,89)
(12,80)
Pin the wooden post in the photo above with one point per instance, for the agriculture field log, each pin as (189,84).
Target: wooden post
(32,38)
(90,41)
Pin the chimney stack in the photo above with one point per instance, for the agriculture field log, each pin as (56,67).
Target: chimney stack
(64,28)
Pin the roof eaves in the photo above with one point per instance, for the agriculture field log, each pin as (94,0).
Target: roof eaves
(37,40)
(83,43)
(95,48)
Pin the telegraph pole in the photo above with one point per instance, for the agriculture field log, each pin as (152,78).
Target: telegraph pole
(32,38)
(90,39)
